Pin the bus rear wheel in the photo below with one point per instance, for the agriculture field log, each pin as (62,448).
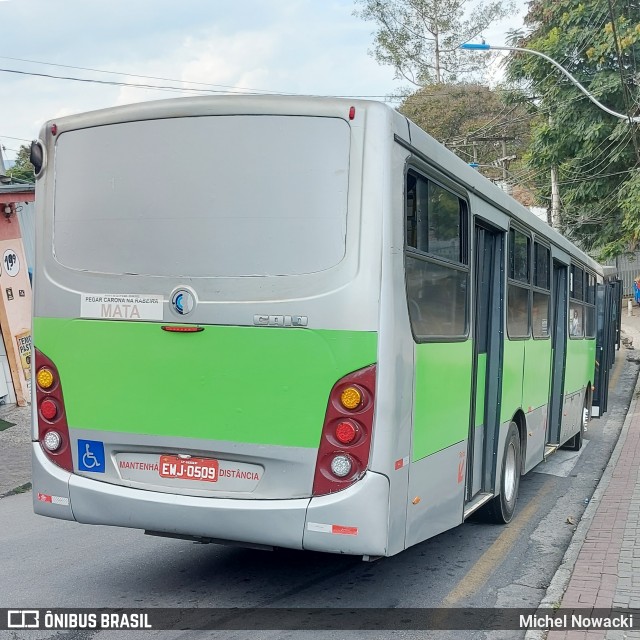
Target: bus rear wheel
(575,443)
(502,507)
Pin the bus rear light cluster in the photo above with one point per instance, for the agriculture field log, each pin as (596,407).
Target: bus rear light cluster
(53,431)
(345,443)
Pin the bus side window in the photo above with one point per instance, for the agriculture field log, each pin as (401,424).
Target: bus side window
(518,290)
(540,324)
(446,212)
(576,307)
(576,320)
(541,291)
(411,209)
(437,274)
(589,307)
(437,297)
(518,312)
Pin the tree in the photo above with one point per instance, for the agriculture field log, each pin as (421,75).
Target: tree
(476,122)
(596,155)
(22,170)
(420,38)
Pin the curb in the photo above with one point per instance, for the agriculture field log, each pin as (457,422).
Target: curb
(560,581)
(23,488)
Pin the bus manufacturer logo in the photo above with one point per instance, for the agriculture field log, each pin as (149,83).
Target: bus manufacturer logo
(280,321)
(183,301)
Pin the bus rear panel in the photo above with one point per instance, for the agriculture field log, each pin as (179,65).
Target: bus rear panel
(202,312)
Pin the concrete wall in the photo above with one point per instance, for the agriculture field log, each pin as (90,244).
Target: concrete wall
(27,220)
(628,268)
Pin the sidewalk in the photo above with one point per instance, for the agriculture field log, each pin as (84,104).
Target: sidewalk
(15,448)
(601,568)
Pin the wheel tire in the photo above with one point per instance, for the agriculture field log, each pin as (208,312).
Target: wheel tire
(575,443)
(502,507)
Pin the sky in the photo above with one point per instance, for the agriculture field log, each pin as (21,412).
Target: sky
(285,46)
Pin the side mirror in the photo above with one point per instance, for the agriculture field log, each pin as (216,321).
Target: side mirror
(37,157)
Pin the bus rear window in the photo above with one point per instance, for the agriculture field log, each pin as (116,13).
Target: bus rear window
(203,196)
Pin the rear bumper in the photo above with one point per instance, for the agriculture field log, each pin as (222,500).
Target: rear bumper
(353,521)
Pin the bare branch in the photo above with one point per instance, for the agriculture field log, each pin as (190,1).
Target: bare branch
(419,37)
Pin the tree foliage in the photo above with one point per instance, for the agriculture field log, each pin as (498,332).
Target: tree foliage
(420,38)
(597,154)
(22,170)
(472,120)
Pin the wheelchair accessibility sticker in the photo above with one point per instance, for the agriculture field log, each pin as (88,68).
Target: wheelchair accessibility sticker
(91,456)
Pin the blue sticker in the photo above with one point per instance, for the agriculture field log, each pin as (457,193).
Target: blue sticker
(91,456)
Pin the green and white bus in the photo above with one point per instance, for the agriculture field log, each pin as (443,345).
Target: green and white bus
(293,322)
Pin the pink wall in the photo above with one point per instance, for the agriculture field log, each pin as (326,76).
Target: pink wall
(15,303)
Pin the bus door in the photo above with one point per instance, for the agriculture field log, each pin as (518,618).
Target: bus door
(607,315)
(483,426)
(559,349)
(616,308)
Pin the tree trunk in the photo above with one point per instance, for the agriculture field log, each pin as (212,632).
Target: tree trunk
(555,199)
(436,35)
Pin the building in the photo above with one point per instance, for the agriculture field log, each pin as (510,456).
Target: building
(16,202)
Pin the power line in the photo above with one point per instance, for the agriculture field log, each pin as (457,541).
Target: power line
(110,82)
(138,75)
(596,177)
(226,89)
(12,138)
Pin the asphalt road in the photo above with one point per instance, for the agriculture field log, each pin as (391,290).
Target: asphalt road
(49,563)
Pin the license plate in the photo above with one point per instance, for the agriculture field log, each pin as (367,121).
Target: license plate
(204,469)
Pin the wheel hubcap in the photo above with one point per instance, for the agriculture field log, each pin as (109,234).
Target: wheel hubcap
(510,473)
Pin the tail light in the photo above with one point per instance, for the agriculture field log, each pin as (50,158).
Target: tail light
(343,455)
(53,431)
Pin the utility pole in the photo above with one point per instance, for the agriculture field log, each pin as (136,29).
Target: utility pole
(3,172)
(504,161)
(554,213)
(456,145)
(553,218)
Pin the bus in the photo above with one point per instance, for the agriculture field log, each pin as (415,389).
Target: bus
(293,322)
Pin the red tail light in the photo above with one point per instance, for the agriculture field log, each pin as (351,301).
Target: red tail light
(53,431)
(48,409)
(343,455)
(347,431)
